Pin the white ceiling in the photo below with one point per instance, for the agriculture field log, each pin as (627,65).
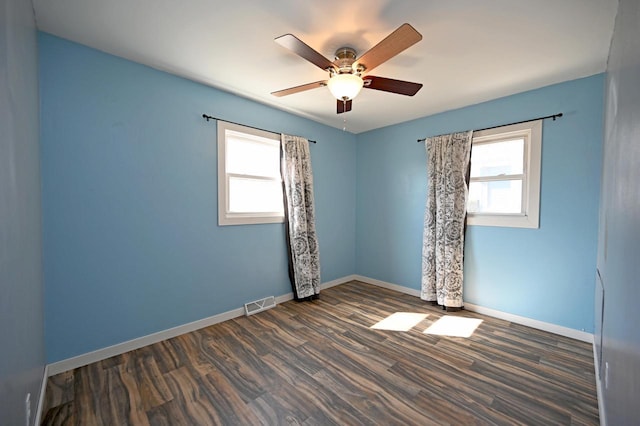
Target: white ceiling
(471,51)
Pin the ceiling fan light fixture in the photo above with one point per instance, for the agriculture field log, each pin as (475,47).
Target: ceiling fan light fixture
(345,87)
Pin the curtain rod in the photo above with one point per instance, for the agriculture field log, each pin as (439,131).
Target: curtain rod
(554,116)
(208,117)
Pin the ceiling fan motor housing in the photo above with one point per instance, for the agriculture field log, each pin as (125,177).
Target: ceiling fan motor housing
(344,59)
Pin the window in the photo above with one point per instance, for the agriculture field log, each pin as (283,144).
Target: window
(504,187)
(249,182)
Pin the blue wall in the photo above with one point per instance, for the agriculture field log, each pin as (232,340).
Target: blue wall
(21,324)
(619,238)
(129,169)
(131,240)
(545,274)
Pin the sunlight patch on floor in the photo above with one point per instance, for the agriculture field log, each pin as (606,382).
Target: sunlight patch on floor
(400,321)
(454,326)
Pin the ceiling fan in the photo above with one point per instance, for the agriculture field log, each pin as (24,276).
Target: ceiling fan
(345,72)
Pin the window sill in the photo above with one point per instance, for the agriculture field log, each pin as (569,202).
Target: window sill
(507,221)
(248,220)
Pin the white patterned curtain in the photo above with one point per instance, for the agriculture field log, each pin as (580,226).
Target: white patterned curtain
(304,261)
(444,219)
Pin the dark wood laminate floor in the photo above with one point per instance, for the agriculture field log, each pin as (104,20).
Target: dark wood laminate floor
(320,363)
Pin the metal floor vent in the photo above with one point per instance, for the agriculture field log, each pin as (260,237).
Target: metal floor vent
(259,305)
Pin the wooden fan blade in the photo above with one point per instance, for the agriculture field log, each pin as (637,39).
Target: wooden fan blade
(390,85)
(399,40)
(343,106)
(298,47)
(292,90)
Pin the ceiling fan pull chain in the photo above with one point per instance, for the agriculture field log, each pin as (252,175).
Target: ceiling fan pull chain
(344,117)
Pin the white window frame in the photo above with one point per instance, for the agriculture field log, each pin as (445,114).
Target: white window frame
(531,132)
(225,217)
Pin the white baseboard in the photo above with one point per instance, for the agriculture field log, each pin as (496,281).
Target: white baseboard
(384,284)
(279,299)
(43,388)
(339,281)
(540,325)
(529,322)
(120,348)
(130,345)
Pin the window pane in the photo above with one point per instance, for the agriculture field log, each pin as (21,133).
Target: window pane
(255,196)
(259,157)
(497,158)
(500,196)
